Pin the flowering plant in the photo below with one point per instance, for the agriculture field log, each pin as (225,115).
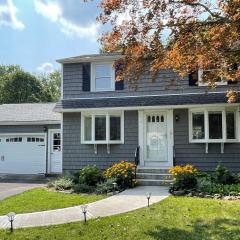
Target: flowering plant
(123,172)
(182,169)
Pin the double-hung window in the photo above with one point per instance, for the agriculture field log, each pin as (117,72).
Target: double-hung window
(213,125)
(202,73)
(102,128)
(102,77)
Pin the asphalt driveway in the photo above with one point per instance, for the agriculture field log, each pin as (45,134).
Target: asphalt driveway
(8,189)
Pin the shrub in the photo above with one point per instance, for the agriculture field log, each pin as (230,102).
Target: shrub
(63,183)
(90,176)
(83,188)
(184,177)
(233,189)
(223,176)
(106,186)
(123,172)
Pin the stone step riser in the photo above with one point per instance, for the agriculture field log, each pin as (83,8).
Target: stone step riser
(157,171)
(154,176)
(153,183)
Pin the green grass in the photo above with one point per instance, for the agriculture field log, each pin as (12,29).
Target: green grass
(172,219)
(41,199)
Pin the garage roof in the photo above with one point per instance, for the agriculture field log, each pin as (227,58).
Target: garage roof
(28,113)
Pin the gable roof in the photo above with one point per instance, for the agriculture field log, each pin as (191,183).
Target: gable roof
(91,58)
(28,113)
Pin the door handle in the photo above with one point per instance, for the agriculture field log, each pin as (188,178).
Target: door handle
(2,158)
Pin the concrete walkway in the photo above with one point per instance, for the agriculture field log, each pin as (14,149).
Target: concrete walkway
(126,201)
(8,189)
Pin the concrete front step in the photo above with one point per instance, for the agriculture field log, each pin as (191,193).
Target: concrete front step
(153,170)
(155,176)
(153,182)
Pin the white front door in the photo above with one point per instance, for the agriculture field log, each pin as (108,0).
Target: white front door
(157,134)
(55,152)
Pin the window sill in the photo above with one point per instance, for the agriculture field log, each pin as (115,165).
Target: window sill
(215,141)
(102,142)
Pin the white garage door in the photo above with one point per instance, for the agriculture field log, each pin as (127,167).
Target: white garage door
(22,154)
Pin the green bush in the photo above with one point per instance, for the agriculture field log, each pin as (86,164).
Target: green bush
(83,188)
(106,186)
(90,175)
(186,181)
(223,176)
(233,189)
(62,183)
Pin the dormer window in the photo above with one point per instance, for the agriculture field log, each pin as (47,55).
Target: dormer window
(102,77)
(203,72)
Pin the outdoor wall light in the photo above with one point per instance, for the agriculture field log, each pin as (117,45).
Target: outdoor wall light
(177,118)
(84,211)
(11,217)
(148,195)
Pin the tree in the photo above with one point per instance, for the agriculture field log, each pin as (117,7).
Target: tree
(51,86)
(21,87)
(202,34)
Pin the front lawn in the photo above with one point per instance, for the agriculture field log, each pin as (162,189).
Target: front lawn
(41,199)
(178,218)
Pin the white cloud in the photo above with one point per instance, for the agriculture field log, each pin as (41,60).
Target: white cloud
(8,15)
(49,10)
(54,12)
(46,67)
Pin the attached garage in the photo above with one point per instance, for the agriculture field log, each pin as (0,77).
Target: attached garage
(30,139)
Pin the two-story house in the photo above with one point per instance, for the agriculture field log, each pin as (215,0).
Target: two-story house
(172,120)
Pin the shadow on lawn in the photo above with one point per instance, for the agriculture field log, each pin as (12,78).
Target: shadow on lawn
(221,229)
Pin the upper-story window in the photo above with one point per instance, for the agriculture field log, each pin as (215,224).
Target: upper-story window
(102,77)
(204,72)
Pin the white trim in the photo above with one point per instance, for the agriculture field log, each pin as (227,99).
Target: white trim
(61,81)
(23,134)
(206,111)
(107,114)
(93,79)
(29,122)
(141,135)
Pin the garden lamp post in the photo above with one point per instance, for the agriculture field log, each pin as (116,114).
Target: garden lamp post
(114,187)
(84,211)
(11,217)
(148,195)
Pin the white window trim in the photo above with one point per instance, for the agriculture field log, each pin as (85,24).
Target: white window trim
(205,84)
(206,111)
(107,114)
(93,74)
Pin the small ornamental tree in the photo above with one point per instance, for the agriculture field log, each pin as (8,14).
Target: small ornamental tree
(201,34)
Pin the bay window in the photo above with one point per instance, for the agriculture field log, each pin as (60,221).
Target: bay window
(102,128)
(210,125)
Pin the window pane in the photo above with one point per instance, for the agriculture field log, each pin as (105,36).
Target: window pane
(115,128)
(103,83)
(198,126)
(215,125)
(100,128)
(230,120)
(88,128)
(103,70)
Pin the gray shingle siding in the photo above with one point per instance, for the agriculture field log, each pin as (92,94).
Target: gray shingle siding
(77,155)
(167,82)
(194,153)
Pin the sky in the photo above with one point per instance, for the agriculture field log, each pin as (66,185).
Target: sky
(34,33)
